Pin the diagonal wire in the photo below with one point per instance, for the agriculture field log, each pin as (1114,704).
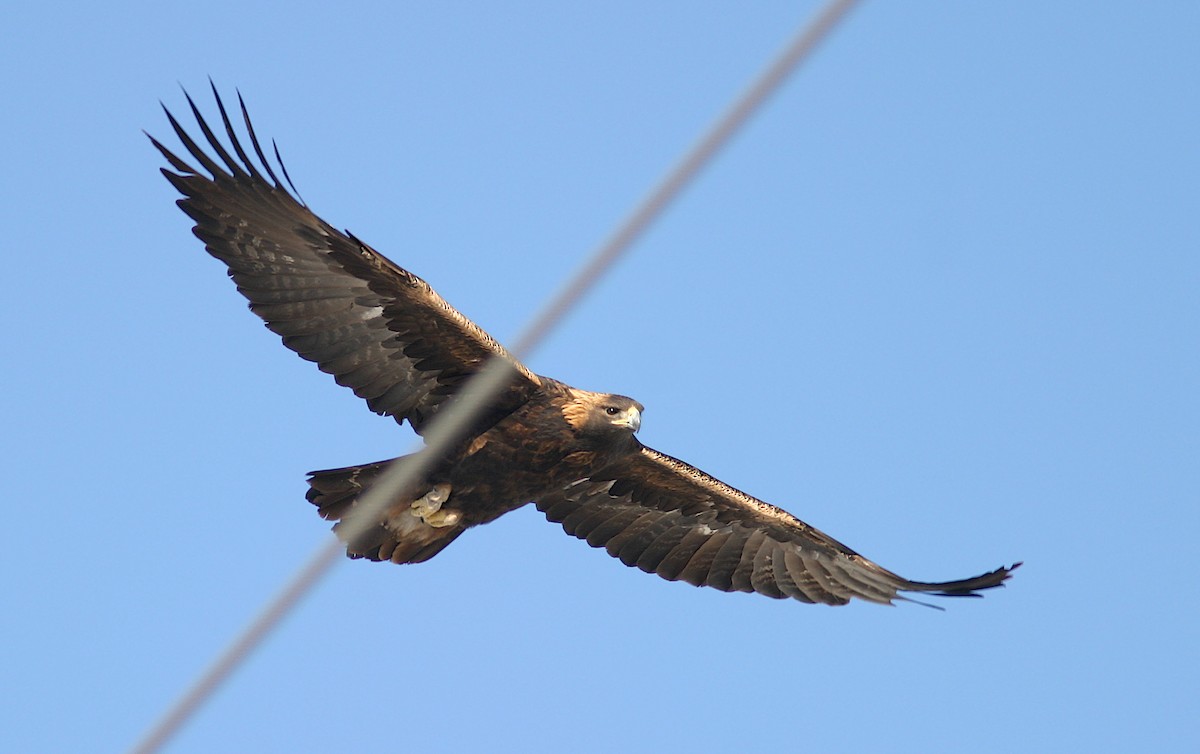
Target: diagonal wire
(450,423)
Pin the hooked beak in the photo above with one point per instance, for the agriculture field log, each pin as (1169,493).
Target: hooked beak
(631,420)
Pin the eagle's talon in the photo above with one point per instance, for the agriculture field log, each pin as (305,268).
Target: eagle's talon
(429,507)
(442,518)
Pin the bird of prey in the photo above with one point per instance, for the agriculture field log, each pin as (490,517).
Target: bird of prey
(384,333)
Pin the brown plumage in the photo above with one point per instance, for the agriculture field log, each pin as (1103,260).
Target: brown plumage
(384,333)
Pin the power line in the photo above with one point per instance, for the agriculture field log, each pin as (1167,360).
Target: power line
(453,420)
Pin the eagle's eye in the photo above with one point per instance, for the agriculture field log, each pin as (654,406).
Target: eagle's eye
(612,410)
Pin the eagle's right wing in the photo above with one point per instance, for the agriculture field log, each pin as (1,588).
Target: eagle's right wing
(377,328)
(668,518)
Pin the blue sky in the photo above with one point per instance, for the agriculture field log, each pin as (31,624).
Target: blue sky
(939,300)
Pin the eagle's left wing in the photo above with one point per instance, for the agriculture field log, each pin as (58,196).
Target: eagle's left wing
(376,327)
(666,517)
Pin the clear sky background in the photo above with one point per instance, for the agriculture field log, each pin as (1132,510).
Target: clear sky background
(941,300)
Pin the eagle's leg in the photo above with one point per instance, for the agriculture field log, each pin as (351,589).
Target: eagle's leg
(429,507)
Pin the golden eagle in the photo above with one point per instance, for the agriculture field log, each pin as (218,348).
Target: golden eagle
(385,334)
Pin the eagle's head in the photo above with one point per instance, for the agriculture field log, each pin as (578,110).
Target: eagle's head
(602,414)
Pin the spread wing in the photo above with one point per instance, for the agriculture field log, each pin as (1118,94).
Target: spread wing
(666,517)
(377,328)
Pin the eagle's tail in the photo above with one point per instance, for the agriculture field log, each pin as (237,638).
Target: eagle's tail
(400,535)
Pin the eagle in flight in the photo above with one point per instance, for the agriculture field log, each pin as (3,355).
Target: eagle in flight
(385,334)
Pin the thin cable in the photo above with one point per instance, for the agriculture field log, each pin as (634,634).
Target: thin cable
(718,135)
(452,421)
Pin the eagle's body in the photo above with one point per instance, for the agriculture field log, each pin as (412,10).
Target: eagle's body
(384,333)
(558,435)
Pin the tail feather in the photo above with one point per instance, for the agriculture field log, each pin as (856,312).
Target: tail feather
(400,536)
(334,491)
